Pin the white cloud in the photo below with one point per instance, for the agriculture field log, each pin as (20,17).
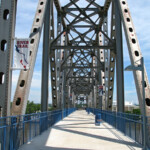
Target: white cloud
(130,92)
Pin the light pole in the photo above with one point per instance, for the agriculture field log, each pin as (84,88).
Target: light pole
(141,68)
(144,113)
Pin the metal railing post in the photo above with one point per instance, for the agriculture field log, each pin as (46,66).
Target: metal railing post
(144,114)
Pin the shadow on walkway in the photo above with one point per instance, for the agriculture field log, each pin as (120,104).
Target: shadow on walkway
(98,137)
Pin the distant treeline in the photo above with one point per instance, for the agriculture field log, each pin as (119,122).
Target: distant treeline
(34,108)
(135,111)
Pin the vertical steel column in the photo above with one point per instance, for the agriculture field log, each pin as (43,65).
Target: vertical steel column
(73,99)
(112,60)
(58,60)
(69,96)
(93,97)
(7,34)
(119,60)
(53,60)
(144,112)
(62,56)
(63,90)
(64,78)
(106,55)
(88,101)
(99,98)
(98,82)
(97,53)
(66,95)
(66,89)
(7,27)
(45,60)
(94,80)
(70,87)
(91,102)
(101,72)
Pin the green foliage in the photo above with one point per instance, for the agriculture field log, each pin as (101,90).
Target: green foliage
(81,105)
(32,107)
(10,104)
(137,111)
(129,112)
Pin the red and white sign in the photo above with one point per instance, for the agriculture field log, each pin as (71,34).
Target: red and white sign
(21,55)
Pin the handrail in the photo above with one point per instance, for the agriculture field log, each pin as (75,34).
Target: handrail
(18,130)
(129,124)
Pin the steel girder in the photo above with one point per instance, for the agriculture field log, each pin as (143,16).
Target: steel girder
(112,61)
(22,92)
(58,60)
(119,60)
(100,54)
(7,28)
(53,61)
(115,56)
(45,59)
(106,56)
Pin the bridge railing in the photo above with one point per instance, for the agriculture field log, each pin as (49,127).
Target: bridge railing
(18,130)
(129,124)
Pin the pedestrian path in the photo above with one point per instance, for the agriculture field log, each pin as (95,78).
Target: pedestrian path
(78,132)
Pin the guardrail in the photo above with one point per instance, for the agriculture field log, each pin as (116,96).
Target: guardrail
(18,130)
(129,124)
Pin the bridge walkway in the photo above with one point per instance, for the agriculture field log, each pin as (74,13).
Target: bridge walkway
(78,132)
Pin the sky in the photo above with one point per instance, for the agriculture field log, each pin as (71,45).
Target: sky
(140,14)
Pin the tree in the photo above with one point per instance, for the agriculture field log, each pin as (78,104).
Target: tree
(128,112)
(137,111)
(32,107)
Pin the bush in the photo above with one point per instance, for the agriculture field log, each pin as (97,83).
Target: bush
(32,107)
(137,111)
(128,112)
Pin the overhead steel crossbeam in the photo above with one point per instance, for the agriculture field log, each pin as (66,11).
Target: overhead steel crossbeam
(82,44)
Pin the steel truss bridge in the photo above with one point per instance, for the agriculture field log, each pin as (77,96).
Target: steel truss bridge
(79,54)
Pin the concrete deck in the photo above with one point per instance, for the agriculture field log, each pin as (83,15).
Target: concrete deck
(78,132)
